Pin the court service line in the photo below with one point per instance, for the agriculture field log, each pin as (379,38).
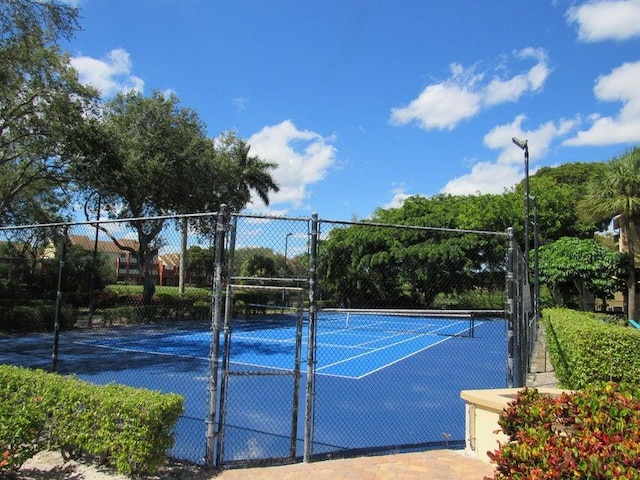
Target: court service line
(373,350)
(382,367)
(409,355)
(419,332)
(137,350)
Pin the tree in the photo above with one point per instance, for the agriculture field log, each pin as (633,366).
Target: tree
(573,268)
(46,115)
(166,166)
(558,191)
(200,264)
(249,173)
(617,192)
(372,266)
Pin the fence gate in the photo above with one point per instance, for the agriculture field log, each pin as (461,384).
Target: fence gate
(258,414)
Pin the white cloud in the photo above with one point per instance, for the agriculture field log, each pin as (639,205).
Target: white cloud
(440,106)
(620,85)
(303,157)
(485,177)
(109,75)
(399,196)
(508,167)
(509,90)
(240,103)
(599,20)
(465,93)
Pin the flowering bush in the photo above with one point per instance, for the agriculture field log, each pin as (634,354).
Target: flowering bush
(590,434)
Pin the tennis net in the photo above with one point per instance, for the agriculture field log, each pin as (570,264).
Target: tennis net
(432,322)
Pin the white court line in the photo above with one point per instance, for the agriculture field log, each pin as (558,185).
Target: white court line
(262,339)
(373,350)
(382,367)
(383,337)
(137,350)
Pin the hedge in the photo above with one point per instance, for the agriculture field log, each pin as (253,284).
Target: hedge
(127,428)
(585,350)
(35,317)
(591,434)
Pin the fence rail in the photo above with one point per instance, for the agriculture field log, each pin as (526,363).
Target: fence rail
(288,337)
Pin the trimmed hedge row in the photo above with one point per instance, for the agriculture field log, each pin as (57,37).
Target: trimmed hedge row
(38,317)
(591,434)
(586,350)
(127,428)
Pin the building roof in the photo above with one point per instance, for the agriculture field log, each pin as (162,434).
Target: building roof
(105,246)
(170,259)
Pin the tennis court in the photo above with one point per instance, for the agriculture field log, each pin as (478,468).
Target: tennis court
(380,379)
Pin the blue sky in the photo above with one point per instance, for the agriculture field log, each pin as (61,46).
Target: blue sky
(365,102)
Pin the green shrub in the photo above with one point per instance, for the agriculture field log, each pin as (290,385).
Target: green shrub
(590,434)
(470,299)
(585,349)
(23,414)
(128,428)
(194,293)
(35,317)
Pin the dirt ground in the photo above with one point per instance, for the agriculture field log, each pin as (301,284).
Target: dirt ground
(52,466)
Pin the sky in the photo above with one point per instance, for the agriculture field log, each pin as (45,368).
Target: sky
(362,103)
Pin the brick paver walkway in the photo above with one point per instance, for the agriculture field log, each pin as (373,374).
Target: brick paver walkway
(431,465)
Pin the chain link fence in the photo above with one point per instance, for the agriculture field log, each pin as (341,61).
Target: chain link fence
(289,338)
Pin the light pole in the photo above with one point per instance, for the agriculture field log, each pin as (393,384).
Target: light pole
(525,146)
(526,301)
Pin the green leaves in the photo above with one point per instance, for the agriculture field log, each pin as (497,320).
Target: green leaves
(44,110)
(591,434)
(572,267)
(585,350)
(128,428)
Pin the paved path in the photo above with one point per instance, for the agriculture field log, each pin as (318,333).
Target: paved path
(431,465)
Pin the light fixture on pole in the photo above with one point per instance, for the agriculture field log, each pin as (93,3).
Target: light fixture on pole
(523,144)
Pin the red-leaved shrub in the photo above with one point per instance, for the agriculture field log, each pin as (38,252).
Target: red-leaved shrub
(591,434)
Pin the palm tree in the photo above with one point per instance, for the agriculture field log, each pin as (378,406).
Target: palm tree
(251,174)
(617,193)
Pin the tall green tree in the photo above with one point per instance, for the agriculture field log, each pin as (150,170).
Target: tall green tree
(617,192)
(573,268)
(374,266)
(558,191)
(46,115)
(166,165)
(249,173)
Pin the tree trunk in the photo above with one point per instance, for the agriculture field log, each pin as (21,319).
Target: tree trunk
(631,279)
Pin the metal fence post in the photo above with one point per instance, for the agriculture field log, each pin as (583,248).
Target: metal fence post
(216,314)
(311,342)
(226,349)
(512,304)
(56,323)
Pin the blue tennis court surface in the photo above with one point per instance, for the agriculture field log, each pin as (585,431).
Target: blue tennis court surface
(350,348)
(380,381)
